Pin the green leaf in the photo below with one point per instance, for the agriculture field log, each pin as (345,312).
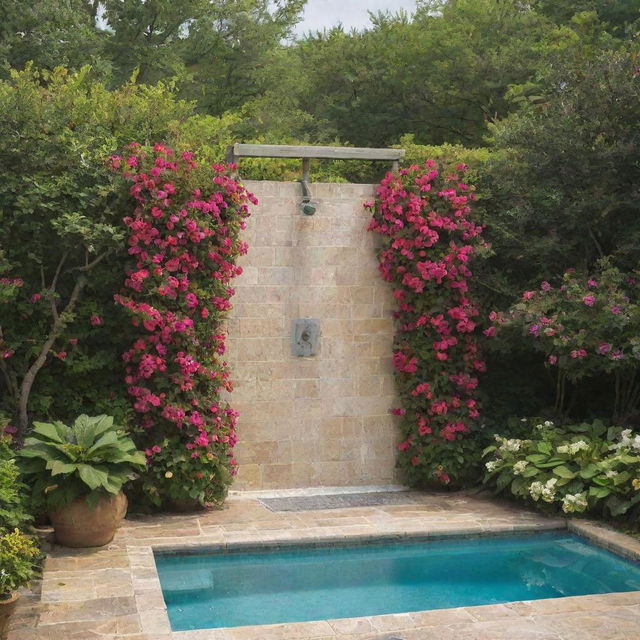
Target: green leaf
(109,438)
(83,428)
(599,492)
(589,471)
(503,480)
(47,430)
(57,467)
(536,458)
(92,476)
(564,472)
(518,484)
(544,447)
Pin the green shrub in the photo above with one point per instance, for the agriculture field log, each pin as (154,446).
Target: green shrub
(579,468)
(18,557)
(13,510)
(92,458)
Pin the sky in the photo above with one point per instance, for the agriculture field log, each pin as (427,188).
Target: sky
(320,14)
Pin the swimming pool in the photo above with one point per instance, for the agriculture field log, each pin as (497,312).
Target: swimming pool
(313,583)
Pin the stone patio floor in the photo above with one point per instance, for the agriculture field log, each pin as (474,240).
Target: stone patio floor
(113,593)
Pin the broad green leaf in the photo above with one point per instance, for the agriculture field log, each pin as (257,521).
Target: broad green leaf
(83,428)
(599,492)
(564,472)
(503,480)
(48,431)
(544,447)
(109,438)
(589,471)
(102,423)
(92,476)
(57,467)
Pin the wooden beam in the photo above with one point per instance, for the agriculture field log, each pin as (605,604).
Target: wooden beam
(308,151)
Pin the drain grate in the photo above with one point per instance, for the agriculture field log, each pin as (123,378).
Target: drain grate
(338,501)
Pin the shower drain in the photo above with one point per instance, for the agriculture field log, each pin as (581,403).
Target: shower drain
(338,501)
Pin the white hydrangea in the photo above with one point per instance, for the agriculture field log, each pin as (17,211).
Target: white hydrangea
(548,423)
(574,502)
(611,473)
(573,447)
(546,491)
(519,467)
(628,440)
(492,465)
(513,446)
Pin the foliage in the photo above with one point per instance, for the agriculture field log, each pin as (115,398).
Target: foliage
(18,556)
(48,33)
(184,240)
(92,458)
(585,327)
(214,49)
(430,237)
(565,180)
(13,509)
(61,214)
(579,468)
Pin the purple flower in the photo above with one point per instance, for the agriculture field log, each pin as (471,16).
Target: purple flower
(604,348)
(589,300)
(534,328)
(617,355)
(615,309)
(592,283)
(545,286)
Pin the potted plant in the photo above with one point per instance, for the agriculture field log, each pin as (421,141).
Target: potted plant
(18,556)
(80,471)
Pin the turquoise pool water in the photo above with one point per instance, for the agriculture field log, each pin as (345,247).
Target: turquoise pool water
(234,589)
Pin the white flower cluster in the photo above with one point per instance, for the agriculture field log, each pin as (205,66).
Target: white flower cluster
(574,502)
(573,447)
(519,467)
(627,441)
(546,491)
(492,465)
(545,425)
(512,446)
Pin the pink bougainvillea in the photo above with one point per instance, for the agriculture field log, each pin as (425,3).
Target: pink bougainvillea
(429,240)
(183,239)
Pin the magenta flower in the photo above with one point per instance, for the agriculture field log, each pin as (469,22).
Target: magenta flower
(589,300)
(604,348)
(553,359)
(615,309)
(95,320)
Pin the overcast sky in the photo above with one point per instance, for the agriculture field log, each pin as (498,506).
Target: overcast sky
(351,13)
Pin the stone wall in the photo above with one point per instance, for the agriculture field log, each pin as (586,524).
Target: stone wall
(320,420)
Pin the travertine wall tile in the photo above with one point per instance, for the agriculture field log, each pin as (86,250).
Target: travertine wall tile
(321,420)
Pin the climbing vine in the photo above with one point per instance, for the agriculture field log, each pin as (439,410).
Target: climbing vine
(183,239)
(430,239)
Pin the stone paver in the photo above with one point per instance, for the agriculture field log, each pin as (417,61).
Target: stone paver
(113,593)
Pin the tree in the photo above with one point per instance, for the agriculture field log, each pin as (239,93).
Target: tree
(49,33)
(63,234)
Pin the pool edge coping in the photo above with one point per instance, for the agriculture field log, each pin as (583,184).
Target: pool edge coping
(156,620)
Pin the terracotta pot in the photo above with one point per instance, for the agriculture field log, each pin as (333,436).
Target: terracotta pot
(7,607)
(79,525)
